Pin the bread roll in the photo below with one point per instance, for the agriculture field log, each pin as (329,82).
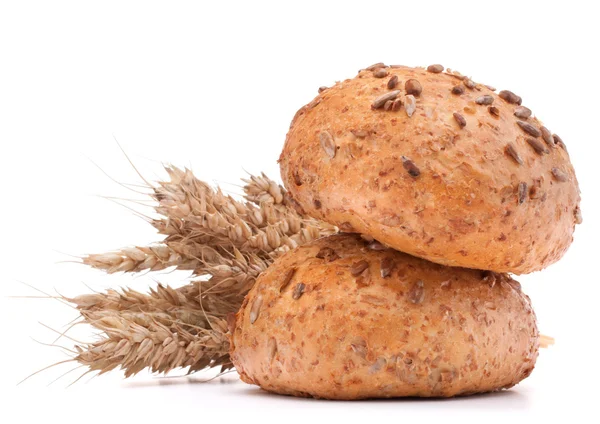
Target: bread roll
(341,318)
(436,166)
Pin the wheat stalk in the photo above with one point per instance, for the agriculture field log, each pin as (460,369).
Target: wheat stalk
(203,226)
(212,234)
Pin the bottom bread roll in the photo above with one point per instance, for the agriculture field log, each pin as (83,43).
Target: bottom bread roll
(342,318)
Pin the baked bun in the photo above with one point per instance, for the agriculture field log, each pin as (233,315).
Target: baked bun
(341,318)
(434,165)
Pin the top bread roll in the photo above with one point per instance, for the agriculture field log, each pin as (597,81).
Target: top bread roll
(434,165)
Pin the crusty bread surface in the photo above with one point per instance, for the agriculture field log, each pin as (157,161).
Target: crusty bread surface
(344,318)
(434,165)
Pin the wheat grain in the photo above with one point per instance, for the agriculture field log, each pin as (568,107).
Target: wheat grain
(261,189)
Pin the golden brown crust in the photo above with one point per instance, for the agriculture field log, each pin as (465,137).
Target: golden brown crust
(323,322)
(462,182)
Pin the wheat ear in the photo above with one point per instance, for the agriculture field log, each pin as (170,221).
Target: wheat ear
(163,330)
(204,227)
(134,341)
(211,234)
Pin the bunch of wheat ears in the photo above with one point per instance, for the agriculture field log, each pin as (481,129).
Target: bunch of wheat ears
(225,243)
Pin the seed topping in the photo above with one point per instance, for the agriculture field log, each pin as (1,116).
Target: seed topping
(547,136)
(522,112)
(328,254)
(458,90)
(537,145)
(558,141)
(559,175)
(359,133)
(393,81)
(387,266)
(359,347)
(462,122)
(358,267)
(255,309)
(272,348)
(376,66)
(469,83)
(494,111)
(364,279)
(522,192)
(534,191)
(578,217)
(380,73)
(410,105)
(322,88)
(484,100)
(412,86)
(510,97)
(380,101)
(297,179)
(377,246)
(287,278)
(327,143)
(410,166)
(396,105)
(529,129)
(416,294)
(512,152)
(378,365)
(298,291)
(436,69)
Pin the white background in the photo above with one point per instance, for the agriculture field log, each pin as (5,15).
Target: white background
(214,86)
